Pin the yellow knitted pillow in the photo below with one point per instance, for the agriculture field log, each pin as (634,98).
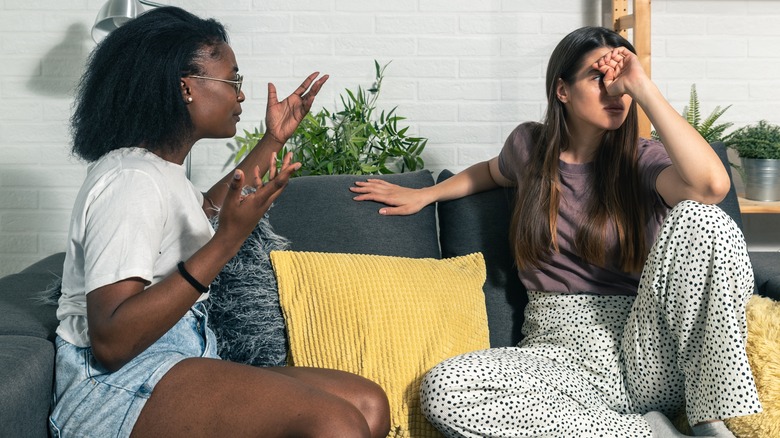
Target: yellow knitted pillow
(389,319)
(763,350)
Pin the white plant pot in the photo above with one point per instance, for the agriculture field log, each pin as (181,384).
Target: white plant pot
(762,179)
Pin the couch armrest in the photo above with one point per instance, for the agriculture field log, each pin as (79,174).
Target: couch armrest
(26,378)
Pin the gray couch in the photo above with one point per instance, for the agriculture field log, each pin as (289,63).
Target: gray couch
(316,214)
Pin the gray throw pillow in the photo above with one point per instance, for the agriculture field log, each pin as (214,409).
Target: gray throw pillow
(243,306)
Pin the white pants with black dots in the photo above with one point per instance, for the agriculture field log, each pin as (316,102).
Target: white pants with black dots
(590,365)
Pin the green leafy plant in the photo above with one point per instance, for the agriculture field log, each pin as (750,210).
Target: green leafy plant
(761,141)
(357,140)
(708,128)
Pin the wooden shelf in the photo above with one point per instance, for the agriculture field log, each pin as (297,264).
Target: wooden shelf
(639,22)
(748,206)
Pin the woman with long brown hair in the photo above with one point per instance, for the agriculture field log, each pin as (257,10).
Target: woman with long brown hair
(637,283)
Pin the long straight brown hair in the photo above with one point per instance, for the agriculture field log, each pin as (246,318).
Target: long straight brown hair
(617,200)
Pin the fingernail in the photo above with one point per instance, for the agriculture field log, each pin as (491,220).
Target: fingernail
(236,175)
(382,211)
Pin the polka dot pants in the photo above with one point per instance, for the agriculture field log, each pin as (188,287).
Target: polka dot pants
(590,365)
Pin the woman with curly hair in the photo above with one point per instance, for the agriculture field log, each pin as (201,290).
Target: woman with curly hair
(135,355)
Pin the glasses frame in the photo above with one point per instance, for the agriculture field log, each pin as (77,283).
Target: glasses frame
(236,84)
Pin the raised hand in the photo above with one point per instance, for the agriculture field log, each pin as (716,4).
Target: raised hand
(622,71)
(241,212)
(401,200)
(282,117)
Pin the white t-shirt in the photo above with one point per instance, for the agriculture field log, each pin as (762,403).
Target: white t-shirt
(136,215)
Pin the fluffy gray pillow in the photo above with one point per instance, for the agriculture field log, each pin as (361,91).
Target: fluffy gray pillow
(243,308)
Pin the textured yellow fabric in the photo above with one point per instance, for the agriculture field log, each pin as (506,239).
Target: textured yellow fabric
(763,349)
(389,319)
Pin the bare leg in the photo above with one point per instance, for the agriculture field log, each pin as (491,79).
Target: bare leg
(367,396)
(208,397)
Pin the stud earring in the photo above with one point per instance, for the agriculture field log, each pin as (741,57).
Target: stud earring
(189,100)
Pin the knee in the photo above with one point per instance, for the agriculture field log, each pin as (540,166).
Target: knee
(709,216)
(375,408)
(694,221)
(438,399)
(334,419)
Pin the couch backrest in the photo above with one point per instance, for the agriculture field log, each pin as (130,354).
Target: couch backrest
(730,203)
(318,214)
(480,223)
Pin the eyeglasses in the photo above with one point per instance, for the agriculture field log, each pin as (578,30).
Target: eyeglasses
(236,84)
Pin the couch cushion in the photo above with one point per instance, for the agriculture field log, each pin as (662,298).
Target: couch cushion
(480,223)
(389,319)
(766,268)
(317,213)
(23,309)
(26,376)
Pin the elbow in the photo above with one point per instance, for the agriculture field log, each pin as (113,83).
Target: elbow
(721,189)
(111,359)
(717,188)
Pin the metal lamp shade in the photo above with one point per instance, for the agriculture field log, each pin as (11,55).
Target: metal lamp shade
(114,14)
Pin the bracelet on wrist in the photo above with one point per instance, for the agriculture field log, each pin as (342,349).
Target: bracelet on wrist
(191,280)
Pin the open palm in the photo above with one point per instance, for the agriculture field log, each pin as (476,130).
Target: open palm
(283,117)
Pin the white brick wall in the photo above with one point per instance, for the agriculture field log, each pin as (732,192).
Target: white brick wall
(463,72)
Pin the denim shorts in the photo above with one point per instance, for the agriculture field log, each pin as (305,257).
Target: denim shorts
(90,401)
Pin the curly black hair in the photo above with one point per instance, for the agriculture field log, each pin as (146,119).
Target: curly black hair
(130,93)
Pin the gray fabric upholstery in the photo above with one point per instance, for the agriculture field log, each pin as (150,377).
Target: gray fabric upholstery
(480,223)
(26,378)
(21,309)
(766,265)
(26,349)
(318,214)
(766,268)
(51,265)
(730,204)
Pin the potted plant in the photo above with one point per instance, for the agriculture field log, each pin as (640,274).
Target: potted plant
(758,147)
(709,129)
(356,140)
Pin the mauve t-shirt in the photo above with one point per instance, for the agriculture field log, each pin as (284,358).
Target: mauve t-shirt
(566,272)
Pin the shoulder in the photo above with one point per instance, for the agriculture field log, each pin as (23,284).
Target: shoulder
(128,174)
(652,151)
(517,149)
(524,133)
(521,138)
(138,163)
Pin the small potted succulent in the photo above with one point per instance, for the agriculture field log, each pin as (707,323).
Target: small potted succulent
(758,147)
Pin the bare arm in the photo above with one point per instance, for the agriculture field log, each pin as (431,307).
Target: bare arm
(403,201)
(126,317)
(281,119)
(696,172)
